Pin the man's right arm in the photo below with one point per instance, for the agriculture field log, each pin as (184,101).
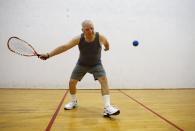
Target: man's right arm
(60,49)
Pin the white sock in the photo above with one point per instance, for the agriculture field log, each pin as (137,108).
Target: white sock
(106,100)
(73,97)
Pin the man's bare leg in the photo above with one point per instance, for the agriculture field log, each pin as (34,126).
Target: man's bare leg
(72,87)
(108,109)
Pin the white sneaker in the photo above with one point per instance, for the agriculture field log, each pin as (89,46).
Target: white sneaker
(70,105)
(110,110)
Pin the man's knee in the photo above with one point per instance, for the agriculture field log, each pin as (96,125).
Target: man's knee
(72,82)
(102,79)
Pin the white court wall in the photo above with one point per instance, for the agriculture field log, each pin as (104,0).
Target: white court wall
(164,28)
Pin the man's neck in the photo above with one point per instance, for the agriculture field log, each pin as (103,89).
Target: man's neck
(89,38)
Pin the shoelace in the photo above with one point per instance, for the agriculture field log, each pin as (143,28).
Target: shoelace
(72,103)
(110,109)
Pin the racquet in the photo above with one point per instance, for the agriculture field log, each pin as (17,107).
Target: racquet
(21,47)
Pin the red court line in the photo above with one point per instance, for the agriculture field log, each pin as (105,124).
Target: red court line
(56,113)
(163,118)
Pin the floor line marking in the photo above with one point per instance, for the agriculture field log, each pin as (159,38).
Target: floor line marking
(163,118)
(56,113)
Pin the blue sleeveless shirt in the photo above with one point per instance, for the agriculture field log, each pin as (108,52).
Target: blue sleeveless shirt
(90,52)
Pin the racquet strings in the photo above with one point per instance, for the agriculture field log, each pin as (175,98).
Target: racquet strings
(20,47)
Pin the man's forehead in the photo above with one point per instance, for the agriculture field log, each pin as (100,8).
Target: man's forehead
(87,26)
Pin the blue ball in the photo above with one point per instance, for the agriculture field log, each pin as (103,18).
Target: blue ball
(135,43)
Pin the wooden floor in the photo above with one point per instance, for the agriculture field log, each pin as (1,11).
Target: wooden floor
(141,110)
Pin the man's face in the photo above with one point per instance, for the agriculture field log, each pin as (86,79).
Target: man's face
(88,30)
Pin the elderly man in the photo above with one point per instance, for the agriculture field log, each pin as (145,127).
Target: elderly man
(90,44)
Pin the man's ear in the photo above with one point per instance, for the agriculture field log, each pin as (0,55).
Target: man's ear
(82,30)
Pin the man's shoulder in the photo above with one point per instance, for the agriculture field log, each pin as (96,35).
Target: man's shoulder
(75,40)
(102,37)
(77,37)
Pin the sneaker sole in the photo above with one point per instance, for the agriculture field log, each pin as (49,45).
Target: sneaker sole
(69,109)
(114,114)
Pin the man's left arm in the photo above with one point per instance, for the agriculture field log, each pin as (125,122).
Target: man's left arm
(105,42)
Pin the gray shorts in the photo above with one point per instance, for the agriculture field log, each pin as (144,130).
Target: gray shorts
(79,71)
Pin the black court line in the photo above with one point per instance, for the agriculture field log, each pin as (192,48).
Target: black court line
(157,114)
(56,113)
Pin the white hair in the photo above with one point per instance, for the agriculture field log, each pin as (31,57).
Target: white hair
(86,22)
